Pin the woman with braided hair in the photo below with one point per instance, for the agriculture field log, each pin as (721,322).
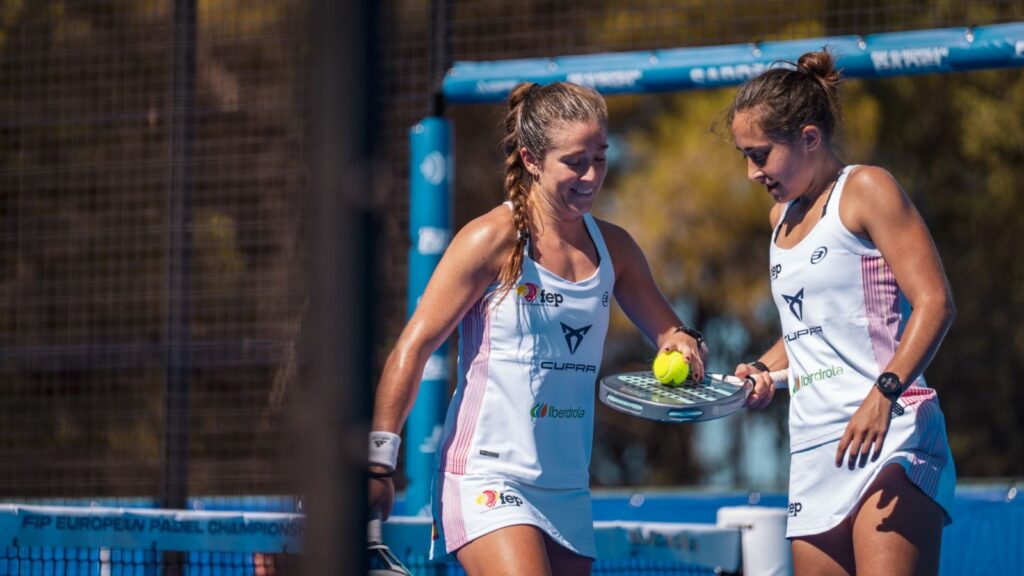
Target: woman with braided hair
(871,476)
(529,286)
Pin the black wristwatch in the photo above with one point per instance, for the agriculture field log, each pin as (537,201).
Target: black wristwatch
(889,384)
(692,333)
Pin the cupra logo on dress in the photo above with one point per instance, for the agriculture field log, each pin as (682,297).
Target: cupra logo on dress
(796,304)
(574,336)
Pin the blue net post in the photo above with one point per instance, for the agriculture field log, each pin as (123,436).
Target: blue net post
(430,230)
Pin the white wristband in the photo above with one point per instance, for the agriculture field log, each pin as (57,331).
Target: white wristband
(384,449)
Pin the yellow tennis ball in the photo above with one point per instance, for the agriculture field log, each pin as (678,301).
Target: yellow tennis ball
(671,368)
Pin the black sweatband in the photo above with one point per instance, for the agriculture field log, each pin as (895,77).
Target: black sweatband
(381,475)
(761,366)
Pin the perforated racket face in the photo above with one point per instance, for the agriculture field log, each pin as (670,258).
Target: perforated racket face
(640,394)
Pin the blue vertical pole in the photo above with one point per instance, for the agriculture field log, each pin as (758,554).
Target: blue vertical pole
(430,230)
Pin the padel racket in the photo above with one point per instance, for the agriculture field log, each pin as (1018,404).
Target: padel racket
(382,560)
(718,395)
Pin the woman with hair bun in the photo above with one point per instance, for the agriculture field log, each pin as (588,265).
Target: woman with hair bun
(871,476)
(529,286)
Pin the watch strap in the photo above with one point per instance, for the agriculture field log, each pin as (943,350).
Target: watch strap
(692,333)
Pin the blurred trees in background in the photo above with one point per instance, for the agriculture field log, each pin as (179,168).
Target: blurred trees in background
(957,144)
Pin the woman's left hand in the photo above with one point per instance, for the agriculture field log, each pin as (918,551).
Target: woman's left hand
(866,431)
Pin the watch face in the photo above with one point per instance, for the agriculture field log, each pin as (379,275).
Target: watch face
(889,383)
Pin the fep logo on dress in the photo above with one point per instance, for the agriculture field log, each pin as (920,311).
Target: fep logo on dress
(495,499)
(533,294)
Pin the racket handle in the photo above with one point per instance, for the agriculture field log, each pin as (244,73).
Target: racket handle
(374,534)
(779,377)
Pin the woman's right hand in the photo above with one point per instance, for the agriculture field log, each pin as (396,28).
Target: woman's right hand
(764,388)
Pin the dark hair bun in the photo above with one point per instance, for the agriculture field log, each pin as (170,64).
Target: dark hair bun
(821,64)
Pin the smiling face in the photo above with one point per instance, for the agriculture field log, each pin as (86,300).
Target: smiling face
(567,179)
(783,168)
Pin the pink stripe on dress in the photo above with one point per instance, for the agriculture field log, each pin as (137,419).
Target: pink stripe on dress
(475,348)
(916,395)
(881,305)
(926,468)
(451,514)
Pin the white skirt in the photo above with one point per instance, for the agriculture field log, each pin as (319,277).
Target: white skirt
(822,495)
(466,507)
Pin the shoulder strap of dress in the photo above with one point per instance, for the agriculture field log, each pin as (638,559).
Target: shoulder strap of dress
(782,218)
(595,235)
(837,190)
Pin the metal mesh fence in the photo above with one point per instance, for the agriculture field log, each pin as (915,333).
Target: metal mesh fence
(91,271)
(108,274)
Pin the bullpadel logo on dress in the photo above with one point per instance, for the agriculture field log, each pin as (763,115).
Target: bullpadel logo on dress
(546,410)
(821,375)
(495,499)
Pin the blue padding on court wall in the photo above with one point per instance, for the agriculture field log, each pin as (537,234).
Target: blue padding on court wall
(987,533)
(872,56)
(986,536)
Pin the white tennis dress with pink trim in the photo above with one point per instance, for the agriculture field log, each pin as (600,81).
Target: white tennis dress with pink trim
(517,438)
(840,310)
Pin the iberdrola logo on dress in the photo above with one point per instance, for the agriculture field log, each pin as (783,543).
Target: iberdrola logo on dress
(545,410)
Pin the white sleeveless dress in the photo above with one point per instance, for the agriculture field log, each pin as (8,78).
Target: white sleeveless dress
(518,434)
(840,310)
